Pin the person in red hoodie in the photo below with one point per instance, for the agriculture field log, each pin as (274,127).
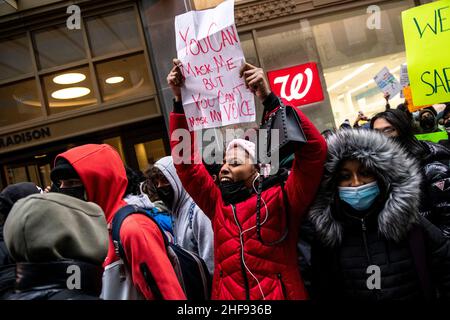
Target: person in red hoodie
(96,173)
(246,265)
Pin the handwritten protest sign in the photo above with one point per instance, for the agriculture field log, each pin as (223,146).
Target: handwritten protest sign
(433,137)
(208,46)
(404,79)
(387,82)
(427,39)
(409,100)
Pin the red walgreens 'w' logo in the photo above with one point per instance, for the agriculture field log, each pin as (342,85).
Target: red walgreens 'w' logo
(298,85)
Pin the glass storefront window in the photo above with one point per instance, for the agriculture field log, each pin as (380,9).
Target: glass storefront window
(19,102)
(352,54)
(116,143)
(291,45)
(112,33)
(33,174)
(282,46)
(248,47)
(38,174)
(147,153)
(15,59)
(111,43)
(45,175)
(58,45)
(69,90)
(15,175)
(124,78)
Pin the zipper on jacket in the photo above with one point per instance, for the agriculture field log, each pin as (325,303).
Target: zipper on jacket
(366,247)
(283,288)
(364,235)
(241,238)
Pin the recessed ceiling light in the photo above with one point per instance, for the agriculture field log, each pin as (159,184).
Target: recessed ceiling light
(71,93)
(113,80)
(69,78)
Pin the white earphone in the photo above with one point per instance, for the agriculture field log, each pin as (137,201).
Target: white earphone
(251,228)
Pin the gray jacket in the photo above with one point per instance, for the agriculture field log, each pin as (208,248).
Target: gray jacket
(191,227)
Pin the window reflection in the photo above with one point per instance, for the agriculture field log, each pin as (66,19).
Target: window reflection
(116,143)
(112,33)
(248,47)
(352,55)
(15,175)
(15,59)
(69,90)
(147,153)
(56,46)
(282,46)
(124,78)
(19,102)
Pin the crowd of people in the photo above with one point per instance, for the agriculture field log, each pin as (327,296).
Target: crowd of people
(364,197)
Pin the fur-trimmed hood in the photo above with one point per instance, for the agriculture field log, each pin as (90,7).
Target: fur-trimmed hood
(398,174)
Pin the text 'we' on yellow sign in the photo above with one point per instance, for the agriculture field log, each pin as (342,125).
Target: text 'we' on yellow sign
(427,39)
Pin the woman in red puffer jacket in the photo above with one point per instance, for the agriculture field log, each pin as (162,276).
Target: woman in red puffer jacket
(246,265)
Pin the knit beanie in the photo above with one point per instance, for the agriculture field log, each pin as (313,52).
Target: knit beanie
(63,170)
(246,145)
(12,193)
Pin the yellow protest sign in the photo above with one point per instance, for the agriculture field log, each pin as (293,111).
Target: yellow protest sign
(427,40)
(408,97)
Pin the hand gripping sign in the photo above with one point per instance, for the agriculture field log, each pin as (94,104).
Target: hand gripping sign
(208,46)
(298,85)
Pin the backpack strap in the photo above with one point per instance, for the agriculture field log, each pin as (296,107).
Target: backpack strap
(417,246)
(116,224)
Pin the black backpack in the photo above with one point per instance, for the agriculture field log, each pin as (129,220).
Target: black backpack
(190,269)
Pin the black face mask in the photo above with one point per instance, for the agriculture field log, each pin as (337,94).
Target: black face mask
(76,192)
(234,192)
(167,195)
(427,123)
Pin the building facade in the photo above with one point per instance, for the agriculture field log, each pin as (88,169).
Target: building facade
(99,76)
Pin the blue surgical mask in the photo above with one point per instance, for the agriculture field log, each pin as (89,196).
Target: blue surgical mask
(360,198)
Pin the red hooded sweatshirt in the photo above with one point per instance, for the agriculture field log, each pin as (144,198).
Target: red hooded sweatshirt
(102,172)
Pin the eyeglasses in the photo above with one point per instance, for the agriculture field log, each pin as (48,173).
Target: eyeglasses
(387,131)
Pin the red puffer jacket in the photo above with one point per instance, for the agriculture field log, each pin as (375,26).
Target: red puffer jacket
(244,267)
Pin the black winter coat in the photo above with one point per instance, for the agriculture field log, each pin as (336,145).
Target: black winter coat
(435,204)
(342,273)
(49,281)
(385,236)
(7,268)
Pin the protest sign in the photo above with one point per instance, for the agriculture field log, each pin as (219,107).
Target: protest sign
(404,79)
(409,100)
(210,52)
(427,39)
(387,82)
(433,137)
